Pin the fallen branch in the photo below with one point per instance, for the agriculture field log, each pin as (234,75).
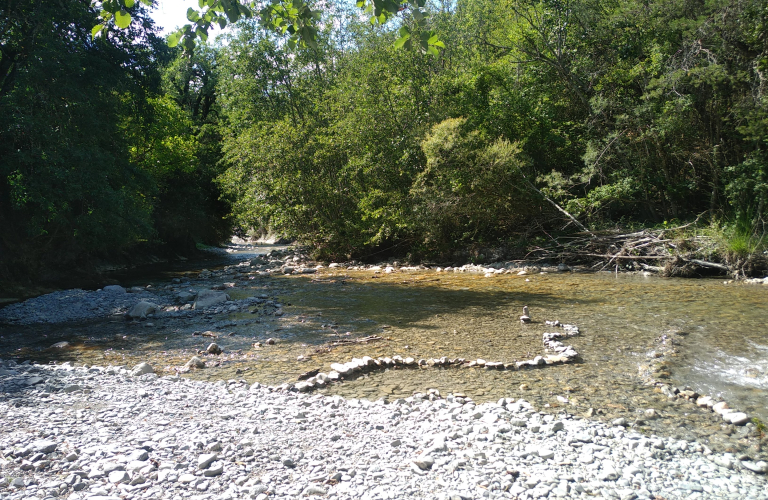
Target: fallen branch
(558,207)
(713,265)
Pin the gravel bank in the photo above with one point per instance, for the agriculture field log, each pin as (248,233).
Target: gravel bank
(101,433)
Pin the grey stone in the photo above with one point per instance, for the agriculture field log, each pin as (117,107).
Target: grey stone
(215,470)
(736,418)
(112,466)
(314,489)
(119,476)
(142,369)
(760,467)
(209,298)
(690,486)
(195,363)
(546,454)
(44,446)
(424,462)
(205,460)
(139,455)
(138,479)
(142,310)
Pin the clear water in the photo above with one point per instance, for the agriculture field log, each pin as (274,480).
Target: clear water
(428,314)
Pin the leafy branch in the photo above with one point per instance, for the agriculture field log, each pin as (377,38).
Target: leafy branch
(292,18)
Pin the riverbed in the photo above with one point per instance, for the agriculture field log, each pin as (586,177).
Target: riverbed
(426,313)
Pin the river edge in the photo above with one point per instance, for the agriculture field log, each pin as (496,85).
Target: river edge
(116,433)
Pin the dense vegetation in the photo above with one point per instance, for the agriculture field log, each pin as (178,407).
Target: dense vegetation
(623,112)
(99,150)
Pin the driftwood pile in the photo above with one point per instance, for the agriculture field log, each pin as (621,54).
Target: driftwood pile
(650,250)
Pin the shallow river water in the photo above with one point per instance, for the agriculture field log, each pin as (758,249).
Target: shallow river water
(423,314)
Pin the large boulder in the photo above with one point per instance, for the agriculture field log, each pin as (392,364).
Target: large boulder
(143,309)
(117,289)
(209,298)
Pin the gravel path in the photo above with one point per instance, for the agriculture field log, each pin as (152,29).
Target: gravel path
(102,433)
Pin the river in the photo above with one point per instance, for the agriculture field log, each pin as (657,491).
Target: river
(425,313)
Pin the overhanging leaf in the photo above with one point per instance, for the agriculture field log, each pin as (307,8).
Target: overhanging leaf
(122,19)
(192,15)
(401,41)
(173,39)
(129,3)
(96,30)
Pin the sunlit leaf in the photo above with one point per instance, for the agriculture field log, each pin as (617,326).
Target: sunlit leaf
(96,30)
(401,41)
(122,19)
(129,3)
(173,39)
(192,15)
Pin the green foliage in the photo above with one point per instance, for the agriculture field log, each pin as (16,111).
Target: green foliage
(94,159)
(471,189)
(363,135)
(65,176)
(738,240)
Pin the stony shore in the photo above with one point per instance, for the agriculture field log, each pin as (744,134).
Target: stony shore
(103,433)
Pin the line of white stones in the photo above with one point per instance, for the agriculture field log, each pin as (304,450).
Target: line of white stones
(343,371)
